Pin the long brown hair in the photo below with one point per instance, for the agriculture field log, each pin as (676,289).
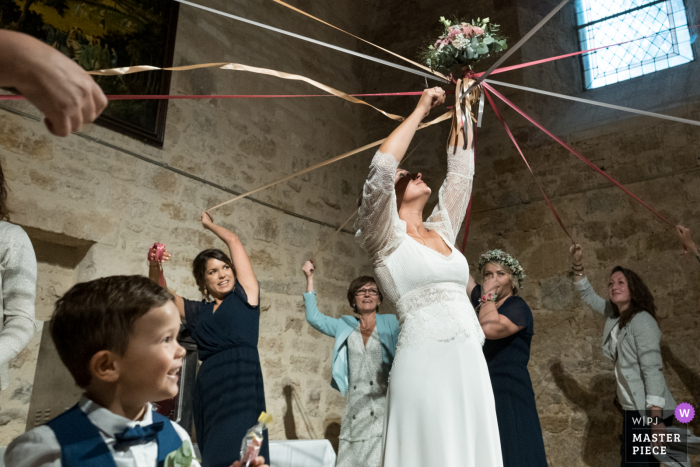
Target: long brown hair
(641,298)
(4,212)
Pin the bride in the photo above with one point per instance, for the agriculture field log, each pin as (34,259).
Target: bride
(440,406)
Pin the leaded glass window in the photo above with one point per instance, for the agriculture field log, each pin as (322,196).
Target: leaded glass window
(661,23)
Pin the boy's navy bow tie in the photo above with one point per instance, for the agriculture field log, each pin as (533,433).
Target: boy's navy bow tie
(137,435)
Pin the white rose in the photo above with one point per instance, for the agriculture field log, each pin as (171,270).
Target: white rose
(460,42)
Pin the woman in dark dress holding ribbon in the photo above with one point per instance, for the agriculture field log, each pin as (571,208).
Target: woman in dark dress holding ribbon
(229,393)
(508,326)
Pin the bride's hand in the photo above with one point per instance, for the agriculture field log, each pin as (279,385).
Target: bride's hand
(431,97)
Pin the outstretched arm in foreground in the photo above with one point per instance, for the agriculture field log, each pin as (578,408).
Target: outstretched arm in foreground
(55,84)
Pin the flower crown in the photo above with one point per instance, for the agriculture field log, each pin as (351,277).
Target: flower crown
(501,257)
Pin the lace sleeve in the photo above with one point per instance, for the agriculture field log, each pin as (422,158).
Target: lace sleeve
(380,229)
(454,194)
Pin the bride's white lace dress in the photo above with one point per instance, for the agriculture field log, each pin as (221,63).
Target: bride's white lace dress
(440,406)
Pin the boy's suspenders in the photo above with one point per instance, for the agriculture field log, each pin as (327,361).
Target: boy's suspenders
(83,446)
(168,439)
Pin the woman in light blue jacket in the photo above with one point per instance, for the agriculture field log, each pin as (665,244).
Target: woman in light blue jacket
(362,356)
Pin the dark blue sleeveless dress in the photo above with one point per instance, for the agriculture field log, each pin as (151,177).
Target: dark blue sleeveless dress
(229,393)
(507,358)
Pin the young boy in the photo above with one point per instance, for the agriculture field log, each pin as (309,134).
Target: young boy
(118,338)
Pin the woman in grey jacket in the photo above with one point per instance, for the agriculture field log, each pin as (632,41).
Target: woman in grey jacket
(631,340)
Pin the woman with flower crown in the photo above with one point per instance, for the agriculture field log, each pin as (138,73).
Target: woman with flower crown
(440,408)
(508,326)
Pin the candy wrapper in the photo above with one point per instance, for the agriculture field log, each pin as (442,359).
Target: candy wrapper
(250,447)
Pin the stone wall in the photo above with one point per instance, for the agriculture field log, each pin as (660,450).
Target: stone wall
(657,160)
(114,205)
(100,200)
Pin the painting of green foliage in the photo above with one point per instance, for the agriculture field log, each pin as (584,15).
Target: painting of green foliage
(99,34)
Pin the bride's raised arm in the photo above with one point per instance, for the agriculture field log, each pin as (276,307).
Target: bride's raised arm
(378,215)
(453,198)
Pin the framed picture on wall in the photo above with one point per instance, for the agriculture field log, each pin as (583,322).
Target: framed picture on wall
(100,34)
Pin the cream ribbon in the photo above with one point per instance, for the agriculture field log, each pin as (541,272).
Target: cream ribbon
(436,73)
(252,69)
(441,118)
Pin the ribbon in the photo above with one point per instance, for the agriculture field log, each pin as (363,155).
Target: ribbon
(155,253)
(133,97)
(333,235)
(573,54)
(252,69)
(600,104)
(525,38)
(347,221)
(366,42)
(314,41)
(512,138)
(575,153)
(439,119)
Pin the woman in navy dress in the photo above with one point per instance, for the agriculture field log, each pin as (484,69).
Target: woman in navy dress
(508,326)
(229,393)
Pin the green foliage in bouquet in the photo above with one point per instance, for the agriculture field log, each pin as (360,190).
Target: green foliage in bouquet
(463,44)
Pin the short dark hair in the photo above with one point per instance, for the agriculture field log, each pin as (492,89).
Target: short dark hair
(100,315)
(641,298)
(357,284)
(199,267)
(4,212)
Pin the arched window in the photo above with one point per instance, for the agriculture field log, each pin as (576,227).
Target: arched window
(662,23)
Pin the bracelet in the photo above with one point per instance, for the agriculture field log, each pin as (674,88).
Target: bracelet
(489,297)
(576,269)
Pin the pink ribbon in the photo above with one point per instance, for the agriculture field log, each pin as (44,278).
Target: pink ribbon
(128,97)
(575,153)
(155,253)
(512,138)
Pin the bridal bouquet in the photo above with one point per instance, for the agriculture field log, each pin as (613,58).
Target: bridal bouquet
(463,44)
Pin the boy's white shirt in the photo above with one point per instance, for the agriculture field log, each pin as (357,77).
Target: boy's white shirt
(40,448)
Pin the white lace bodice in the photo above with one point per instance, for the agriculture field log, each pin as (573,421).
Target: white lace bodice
(428,288)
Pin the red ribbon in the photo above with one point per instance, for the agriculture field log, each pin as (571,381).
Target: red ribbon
(574,152)
(512,138)
(127,97)
(573,54)
(155,253)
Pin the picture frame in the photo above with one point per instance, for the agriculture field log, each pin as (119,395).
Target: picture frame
(99,34)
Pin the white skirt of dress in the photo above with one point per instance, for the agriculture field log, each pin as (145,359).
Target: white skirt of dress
(440,408)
